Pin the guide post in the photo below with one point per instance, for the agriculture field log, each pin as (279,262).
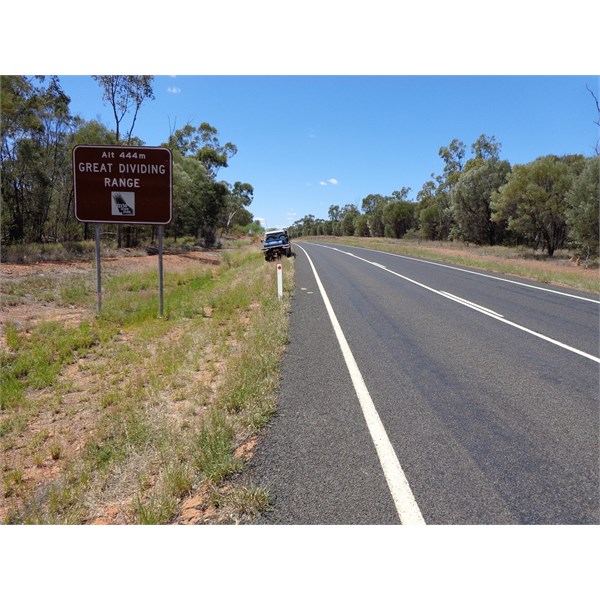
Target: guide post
(279,281)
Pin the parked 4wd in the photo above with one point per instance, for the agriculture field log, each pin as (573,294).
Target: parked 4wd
(276,244)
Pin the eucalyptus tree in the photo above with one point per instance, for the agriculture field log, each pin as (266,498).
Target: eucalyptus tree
(373,205)
(239,196)
(398,218)
(348,214)
(188,176)
(334,218)
(212,154)
(375,218)
(471,195)
(207,203)
(307,224)
(370,202)
(433,212)
(34,160)
(361,226)
(583,210)
(334,213)
(453,156)
(533,200)
(327,228)
(401,194)
(125,94)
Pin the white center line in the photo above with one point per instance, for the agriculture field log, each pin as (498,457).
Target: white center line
(443,266)
(485,311)
(470,304)
(402,495)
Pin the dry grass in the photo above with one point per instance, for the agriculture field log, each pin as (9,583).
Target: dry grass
(153,415)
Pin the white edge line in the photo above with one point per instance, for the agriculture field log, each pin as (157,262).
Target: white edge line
(481,310)
(402,495)
(437,264)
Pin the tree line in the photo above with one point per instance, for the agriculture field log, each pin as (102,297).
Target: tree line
(546,204)
(38,134)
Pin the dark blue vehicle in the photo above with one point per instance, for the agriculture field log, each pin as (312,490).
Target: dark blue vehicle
(276,244)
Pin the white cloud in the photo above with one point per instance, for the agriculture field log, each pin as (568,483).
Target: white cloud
(173,90)
(332,181)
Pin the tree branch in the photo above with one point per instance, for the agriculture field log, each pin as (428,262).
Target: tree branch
(597,148)
(597,104)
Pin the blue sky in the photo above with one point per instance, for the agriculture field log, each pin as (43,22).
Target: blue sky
(307,142)
(328,101)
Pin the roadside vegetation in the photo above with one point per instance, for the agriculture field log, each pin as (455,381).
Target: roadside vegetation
(128,418)
(547,206)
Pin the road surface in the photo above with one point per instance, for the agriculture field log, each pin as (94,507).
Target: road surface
(414,392)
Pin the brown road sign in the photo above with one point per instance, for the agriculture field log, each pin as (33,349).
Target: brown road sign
(123,184)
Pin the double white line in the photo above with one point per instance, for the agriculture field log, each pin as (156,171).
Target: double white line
(472,305)
(460,300)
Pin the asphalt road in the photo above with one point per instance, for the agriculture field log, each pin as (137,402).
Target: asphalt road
(486,388)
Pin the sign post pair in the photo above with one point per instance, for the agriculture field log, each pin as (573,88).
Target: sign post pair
(131,185)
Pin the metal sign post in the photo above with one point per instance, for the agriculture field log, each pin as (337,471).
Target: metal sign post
(98,271)
(160,271)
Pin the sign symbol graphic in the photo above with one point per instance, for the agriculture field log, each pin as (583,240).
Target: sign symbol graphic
(123,203)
